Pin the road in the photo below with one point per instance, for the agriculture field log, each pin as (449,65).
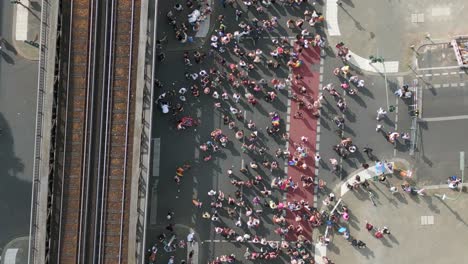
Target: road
(174,148)
(18,78)
(177,147)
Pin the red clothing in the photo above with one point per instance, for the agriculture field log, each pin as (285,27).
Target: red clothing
(378,234)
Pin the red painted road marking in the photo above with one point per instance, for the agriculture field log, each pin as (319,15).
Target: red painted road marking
(306,126)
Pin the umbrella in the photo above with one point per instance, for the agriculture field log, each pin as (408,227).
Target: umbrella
(380,168)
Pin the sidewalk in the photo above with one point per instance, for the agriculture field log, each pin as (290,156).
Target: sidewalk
(388,28)
(181,253)
(426,221)
(16,251)
(26,29)
(439,55)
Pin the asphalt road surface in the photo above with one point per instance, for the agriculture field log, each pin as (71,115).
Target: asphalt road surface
(179,147)
(18,92)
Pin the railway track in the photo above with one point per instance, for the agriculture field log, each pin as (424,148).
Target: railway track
(78,94)
(97,113)
(119,144)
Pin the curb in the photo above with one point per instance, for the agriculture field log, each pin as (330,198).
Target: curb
(13,244)
(139,190)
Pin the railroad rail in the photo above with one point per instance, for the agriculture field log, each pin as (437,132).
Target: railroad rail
(97,113)
(118,147)
(78,92)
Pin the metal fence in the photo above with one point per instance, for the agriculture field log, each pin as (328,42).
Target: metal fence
(147,140)
(414,111)
(41,86)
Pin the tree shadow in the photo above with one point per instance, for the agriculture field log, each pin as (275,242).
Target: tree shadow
(9,47)
(15,192)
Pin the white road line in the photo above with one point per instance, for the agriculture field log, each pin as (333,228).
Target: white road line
(233,241)
(454,73)
(461,72)
(317,145)
(445,118)
(436,74)
(436,85)
(272,37)
(445,73)
(445,85)
(441,186)
(364,64)
(439,68)
(428,75)
(156,156)
(22,12)
(320,252)
(454,84)
(331,14)
(462,84)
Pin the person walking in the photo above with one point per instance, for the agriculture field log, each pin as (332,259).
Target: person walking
(169,215)
(380,113)
(238,14)
(378,128)
(378,234)
(368,151)
(171,260)
(236,97)
(393,189)
(385,230)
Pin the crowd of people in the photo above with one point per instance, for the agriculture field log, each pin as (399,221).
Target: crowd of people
(229,84)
